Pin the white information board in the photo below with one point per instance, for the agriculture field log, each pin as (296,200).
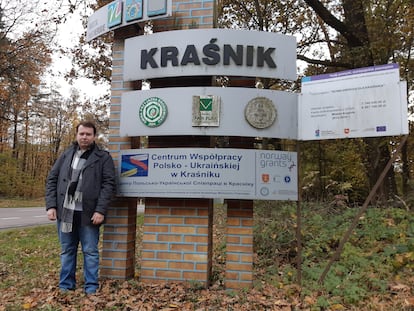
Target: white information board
(196,52)
(232,112)
(363,102)
(208,173)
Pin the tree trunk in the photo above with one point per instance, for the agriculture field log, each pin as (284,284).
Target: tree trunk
(15,152)
(405,168)
(377,156)
(377,151)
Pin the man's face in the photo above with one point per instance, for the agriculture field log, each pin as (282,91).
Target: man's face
(85,137)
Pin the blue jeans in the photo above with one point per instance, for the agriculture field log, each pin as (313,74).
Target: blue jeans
(88,236)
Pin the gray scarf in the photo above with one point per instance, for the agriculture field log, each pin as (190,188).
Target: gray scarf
(73,192)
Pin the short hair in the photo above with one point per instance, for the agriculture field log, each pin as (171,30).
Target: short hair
(89,124)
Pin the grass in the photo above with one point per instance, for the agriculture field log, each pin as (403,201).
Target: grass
(28,258)
(18,202)
(375,271)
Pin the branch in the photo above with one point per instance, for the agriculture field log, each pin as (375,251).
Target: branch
(326,63)
(335,23)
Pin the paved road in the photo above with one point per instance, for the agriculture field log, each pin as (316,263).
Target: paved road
(22,217)
(30,216)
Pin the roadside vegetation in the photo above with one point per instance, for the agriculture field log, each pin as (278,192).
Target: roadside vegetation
(374,272)
(17,202)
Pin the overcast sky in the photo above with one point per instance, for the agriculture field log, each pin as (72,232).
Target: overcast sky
(68,34)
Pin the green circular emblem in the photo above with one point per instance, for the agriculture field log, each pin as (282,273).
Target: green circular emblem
(153,112)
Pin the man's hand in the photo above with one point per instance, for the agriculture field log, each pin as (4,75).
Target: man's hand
(51,213)
(97,218)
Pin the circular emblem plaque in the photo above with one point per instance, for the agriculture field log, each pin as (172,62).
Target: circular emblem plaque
(153,112)
(260,112)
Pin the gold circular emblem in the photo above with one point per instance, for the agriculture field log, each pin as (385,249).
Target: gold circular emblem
(260,112)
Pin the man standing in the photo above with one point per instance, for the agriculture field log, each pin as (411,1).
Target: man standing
(79,188)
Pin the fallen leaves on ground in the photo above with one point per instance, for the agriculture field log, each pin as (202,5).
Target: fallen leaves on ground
(134,295)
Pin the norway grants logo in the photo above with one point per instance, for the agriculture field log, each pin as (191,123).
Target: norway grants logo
(153,112)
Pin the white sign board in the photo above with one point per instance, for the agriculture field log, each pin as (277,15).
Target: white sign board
(121,13)
(232,112)
(208,173)
(363,102)
(197,52)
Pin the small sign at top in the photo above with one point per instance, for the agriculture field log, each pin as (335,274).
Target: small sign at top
(114,14)
(133,10)
(157,7)
(121,13)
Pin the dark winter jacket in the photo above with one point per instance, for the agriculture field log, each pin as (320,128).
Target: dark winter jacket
(98,182)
